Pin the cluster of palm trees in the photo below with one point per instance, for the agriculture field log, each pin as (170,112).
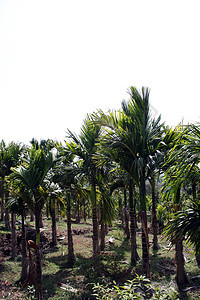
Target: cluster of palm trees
(126,149)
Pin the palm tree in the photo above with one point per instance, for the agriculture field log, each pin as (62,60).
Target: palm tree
(65,175)
(186,224)
(105,200)
(132,140)
(32,174)
(70,257)
(54,193)
(83,147)
(9,157)
(184,159)
(17,204)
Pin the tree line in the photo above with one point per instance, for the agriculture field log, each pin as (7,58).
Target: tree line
(127,150)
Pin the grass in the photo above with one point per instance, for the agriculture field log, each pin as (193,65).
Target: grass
(62,282)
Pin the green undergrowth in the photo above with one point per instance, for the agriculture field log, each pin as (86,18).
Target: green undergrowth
(113,265)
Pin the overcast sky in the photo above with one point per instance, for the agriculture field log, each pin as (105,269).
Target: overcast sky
(60,60)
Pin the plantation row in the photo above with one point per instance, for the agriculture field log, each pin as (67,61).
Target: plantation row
(123,165)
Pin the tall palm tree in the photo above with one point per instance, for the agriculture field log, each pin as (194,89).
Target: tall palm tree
(54,195)
(18,205)
(83,147)
(184,159)
(132,140)
(10,156)
(32,174)
(65,175)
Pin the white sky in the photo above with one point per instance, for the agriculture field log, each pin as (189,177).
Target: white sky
(62,59)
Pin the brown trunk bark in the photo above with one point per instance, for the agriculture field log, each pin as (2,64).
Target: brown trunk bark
(145,245)
(181,276)
(102,236)
(47,209)
(78,210)
(14,239)
(145,235)
(2,201)
(39,274)
(41,220)
(24,272)
(38,253)
(84,213)
(32,216)
(154,217)
(7,217)
(95,233)
(71,257)
(126,217)
(134,254)
(53,218)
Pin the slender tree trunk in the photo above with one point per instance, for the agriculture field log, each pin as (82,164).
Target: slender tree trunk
(32,216)
(126,217)
(181,276)
(47,209)
(102,236)
(78,210)
(194,193)
(14,238)
(154,216)
(2,201)
(95,233)
(134,254)
(102,230)
(84,212)
(7,217)
(53,218)
(71,257)
(38,253)
(24,272)
(94,218)
(145,236)
(41,220)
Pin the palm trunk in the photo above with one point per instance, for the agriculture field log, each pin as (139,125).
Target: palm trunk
(84,212)
(126,217)
(95,233)
(2,201)
(38,254)
(194,194)
(102,230)
(71,257)
(53,218)
(145,237)
(94,218)
(78,210)
(181,276)
(14,239)
(154,216)
(134,254)
(7,217)
(41,220)
(24,272)
(32,216)
(47,209)
(102,236)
